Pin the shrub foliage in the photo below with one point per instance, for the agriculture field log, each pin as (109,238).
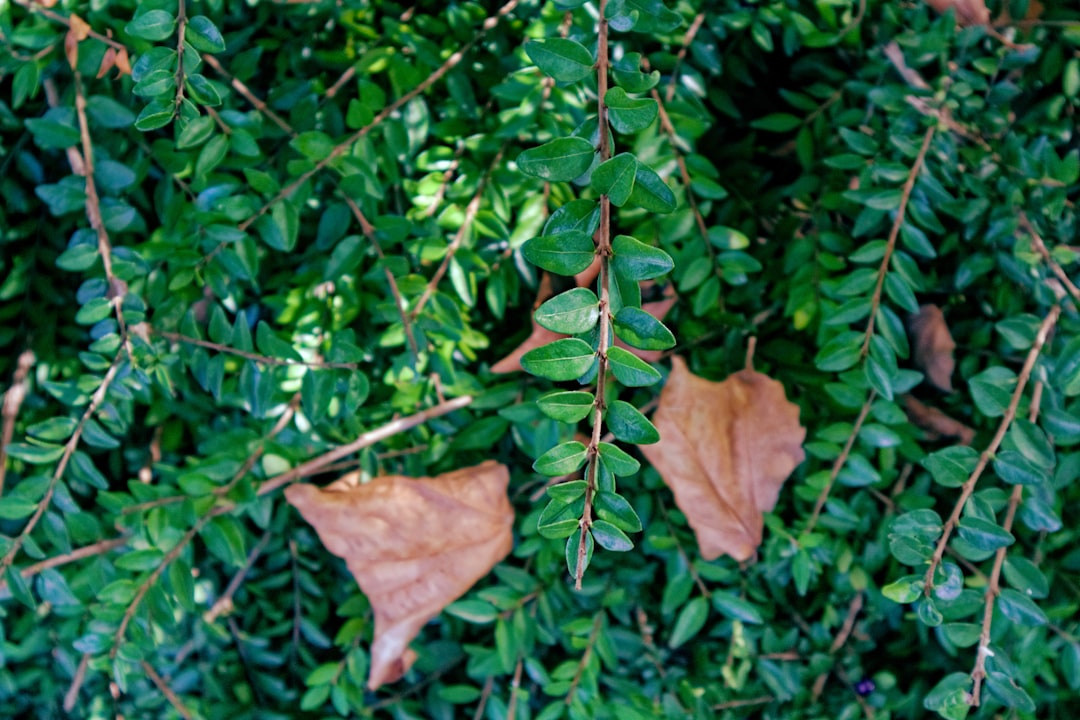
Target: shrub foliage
(245,244)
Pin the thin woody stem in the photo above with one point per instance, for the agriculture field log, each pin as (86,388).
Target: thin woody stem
(603,250)
(984,459)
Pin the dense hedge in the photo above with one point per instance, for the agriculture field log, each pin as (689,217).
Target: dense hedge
(236,236)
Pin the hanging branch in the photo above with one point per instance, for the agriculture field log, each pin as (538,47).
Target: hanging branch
(984,459)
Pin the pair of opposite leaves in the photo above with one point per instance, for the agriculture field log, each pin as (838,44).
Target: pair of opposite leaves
(415,545)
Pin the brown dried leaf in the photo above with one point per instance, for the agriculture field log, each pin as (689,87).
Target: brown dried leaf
(107,62)
(936,423)
(79,27)
(933,346)
(123,63)
(968,12)
(414,545)
(725,450)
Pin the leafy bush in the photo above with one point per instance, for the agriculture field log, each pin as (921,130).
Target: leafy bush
(246,244)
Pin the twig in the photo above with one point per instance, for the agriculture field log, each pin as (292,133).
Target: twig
(688,38)
(181,30)
(1040,247)
(386,112)
(265,359)
(13,400)
(399,301)
(839,641)
(993,589)
(371,437)
(515,684)
(984,459)
(246,93)
(69,449)
(470,214)
(160,683)
(732,704)
(890,245)
(603,251)
(838,464)
(72,694)
(224,603)
(63,20)
(98,548)
(597,620)
(448,175)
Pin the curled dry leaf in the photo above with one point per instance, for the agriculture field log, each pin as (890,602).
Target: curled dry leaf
(725,450)
(933,346)
(968,12)
(936,423)
(414,545)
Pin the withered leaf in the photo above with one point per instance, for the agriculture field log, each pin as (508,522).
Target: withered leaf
(414,546)
(933,346)
(725,450)
(936,423)
(968,12)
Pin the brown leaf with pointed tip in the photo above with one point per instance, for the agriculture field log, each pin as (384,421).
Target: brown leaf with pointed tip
(968,12)
(414,546)
(936,423)
(933,346)
(725,450)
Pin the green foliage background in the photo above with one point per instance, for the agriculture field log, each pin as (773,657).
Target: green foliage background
(214,335)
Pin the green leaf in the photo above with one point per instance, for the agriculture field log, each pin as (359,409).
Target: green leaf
(204,35)
(840,353)
(567,492)
(565,60)
(573,546)
(202,90)
(610,537)
(736,608)
(566,253)
(1026,577)
(153,25)
(615,178)
(983,534)
(78,258)
(16,508)
(952,466)
(1021,609)
(271,345)
(52,134)
(617,510)
(650,192)
(777,122)
(629,115)
(157,114)
(35,454)
(559,519)
(617,460)
(571,406)
(566,359)
(570,313)
(631,370)
(905,590)
(1005,690)
(626,423)
(562,459)
(20,589)
(1015,469)
(560,160)
(635,260)
(690,622)
(639,329)
(950,696)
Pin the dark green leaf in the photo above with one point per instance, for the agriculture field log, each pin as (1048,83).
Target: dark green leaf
(610,537)
(565,60)
(631,370)
(562,459)
(566,253)
(615,178)
(559,160)
(636,260)
(570,406)
(629,425)
(627,114)
(570,313)
(639,329)
(690,622)
(153,25)
(566,359)
(204,35)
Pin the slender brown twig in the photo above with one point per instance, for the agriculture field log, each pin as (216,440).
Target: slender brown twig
(593,634)
(1040,247)
(894,233)
(993,587)
(839,641)
(399,301)
(181,31)
(984,459)
(64,20)
(264,359)
(13,400)
(98,548)
(838,464)
(158,681)
(224,603)
(69,449)
(338,150)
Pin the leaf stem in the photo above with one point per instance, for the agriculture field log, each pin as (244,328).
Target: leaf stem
(984,459)
(603,250)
